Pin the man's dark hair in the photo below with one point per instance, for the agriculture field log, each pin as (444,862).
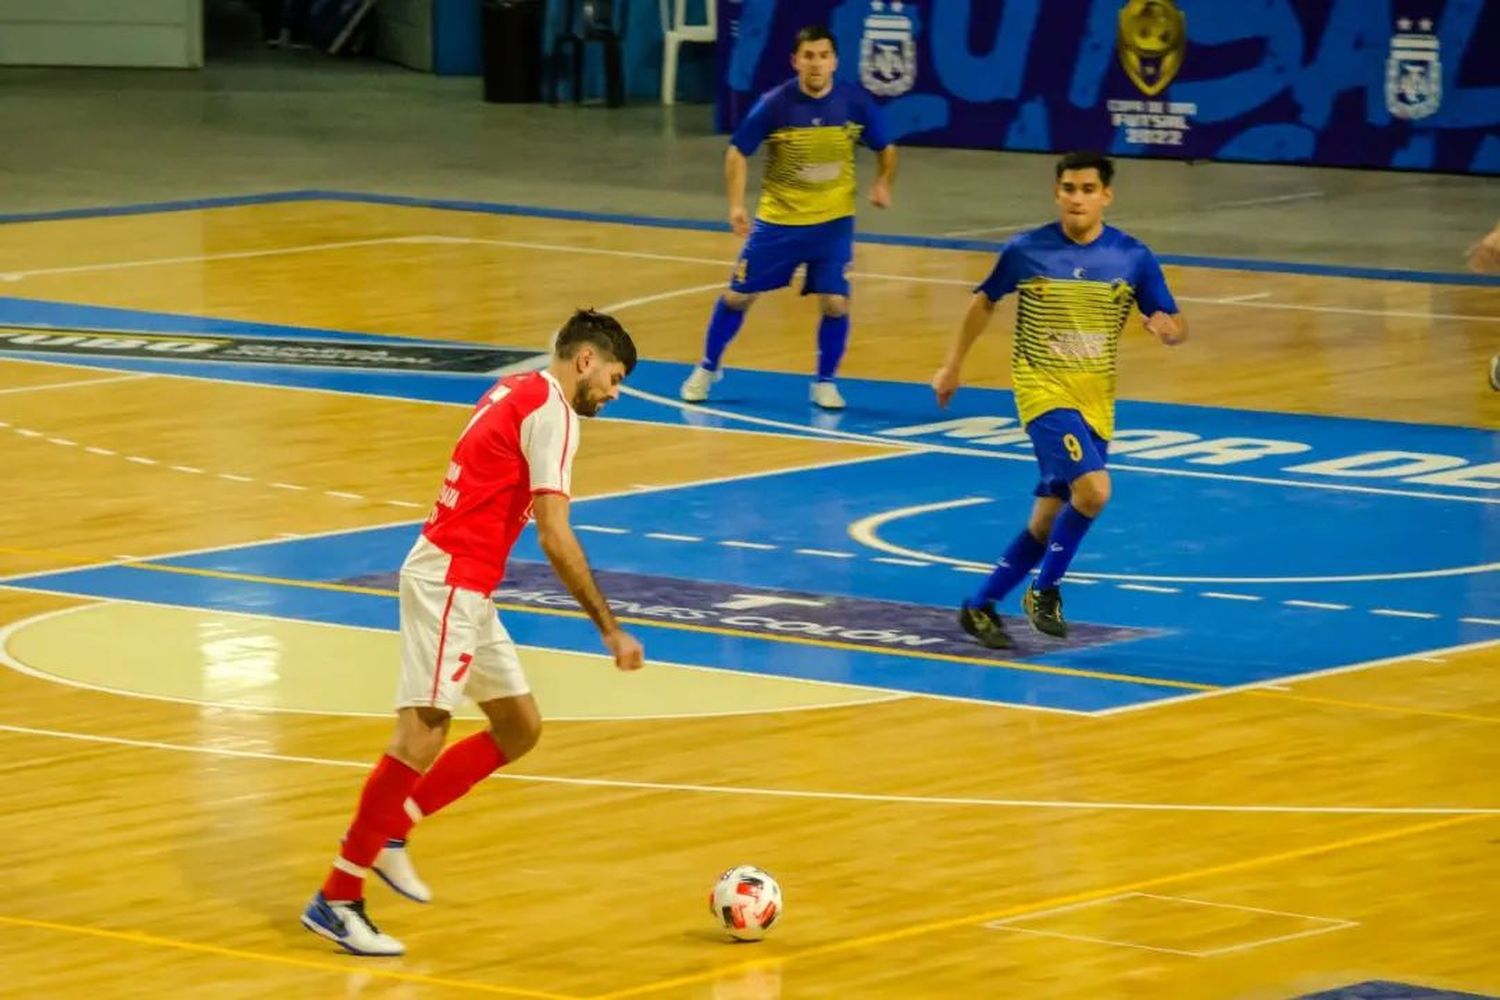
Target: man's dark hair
(813,33)
(599,330)
(1082,160)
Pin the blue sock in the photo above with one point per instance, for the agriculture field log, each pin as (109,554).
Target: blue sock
(721,330)
(1024,553)
(833,337)
(1067,532)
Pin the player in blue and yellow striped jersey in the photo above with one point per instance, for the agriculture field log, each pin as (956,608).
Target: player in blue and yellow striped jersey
(810,126)
(1077,280)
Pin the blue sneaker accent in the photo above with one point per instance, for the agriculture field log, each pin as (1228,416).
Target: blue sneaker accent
(325,920)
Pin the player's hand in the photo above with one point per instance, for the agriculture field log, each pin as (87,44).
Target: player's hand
(945,384)
(880,194)
(626,649)
(1166,329)
(1484,256)
(739,220)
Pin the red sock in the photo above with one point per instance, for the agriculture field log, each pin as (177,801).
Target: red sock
(381,810)
(464,764)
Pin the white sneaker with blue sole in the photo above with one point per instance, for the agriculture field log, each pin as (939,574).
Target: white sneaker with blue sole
(393,865)
(346,925)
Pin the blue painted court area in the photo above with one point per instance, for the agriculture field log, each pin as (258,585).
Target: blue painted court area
(1240,547)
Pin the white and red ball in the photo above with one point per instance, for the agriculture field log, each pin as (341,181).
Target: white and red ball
(746,902)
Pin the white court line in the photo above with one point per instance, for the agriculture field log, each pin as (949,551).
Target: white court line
(601,529)
(789,793)
(782,429)
(826,553)
(1230,300)
(1293,679)
(666,536)
(1393,613)
(1275,199)
(865,531)
(1010,227)
(70,385)
(665,487)
(876,695)
(202,258)
(758,546)
(1009,924)
(1220,595)
(805,431)
(1149,589)
(1323,605)
(1233,301)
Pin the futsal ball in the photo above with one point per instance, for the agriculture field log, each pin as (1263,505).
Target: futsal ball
(746,902)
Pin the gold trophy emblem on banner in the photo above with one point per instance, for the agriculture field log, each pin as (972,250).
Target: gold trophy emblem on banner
(1153,37)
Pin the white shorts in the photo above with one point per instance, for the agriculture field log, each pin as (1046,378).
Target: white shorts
(453,647)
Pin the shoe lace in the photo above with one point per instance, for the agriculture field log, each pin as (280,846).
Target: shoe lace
(358,908)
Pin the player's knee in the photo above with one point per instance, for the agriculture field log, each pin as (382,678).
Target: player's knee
(518,737)
(1091,495)
(738,301)
(834,306)
(420,734)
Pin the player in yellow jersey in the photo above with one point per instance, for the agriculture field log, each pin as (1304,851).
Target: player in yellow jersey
(1484,258)
(810,126)
(1078,280)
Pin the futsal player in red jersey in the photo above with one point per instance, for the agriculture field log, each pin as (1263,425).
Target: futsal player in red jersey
(513,462)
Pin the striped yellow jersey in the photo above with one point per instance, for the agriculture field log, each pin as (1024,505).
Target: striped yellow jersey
(809,173)
(1074,301)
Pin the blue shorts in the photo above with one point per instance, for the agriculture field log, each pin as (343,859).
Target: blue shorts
(1066,447)
(772,254)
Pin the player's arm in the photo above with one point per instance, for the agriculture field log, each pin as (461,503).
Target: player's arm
(1484,256)
(880,191)
(945,383)
(1000,283)
(878,138)
(563,551)
(736,169)
(744,142)
(1170,328)
(1163,320)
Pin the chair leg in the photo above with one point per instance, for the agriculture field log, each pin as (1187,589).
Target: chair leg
(669,68)
(614,73)
(580,51)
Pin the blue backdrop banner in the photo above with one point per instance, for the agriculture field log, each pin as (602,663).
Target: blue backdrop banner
(1410,84)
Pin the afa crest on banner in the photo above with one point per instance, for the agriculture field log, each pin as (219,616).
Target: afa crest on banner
(888,50)
(1413,71)
(1152,40)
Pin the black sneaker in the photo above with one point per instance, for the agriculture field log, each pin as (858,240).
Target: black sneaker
(980,621)
(1044,608)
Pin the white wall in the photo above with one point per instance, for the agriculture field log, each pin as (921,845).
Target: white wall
(101,33)
(404,32)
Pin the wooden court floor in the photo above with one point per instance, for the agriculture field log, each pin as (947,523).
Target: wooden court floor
(1255,844)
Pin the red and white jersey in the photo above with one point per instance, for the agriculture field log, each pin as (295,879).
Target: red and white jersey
(520,441)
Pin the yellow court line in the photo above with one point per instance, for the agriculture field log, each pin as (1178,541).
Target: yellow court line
(353,968)
(795,640)
(1086,896)
(1037,668)
(217,338)
(1368,706)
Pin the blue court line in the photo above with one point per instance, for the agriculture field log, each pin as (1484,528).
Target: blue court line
(702,225)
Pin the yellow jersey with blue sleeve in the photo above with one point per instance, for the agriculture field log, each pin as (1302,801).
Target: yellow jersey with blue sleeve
(1074,301)
(809,174)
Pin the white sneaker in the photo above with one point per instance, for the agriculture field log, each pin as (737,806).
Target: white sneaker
(393,865)
(826,395)
(346,925)
(697,385)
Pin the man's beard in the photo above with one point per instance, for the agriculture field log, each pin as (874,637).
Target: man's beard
(582,404)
